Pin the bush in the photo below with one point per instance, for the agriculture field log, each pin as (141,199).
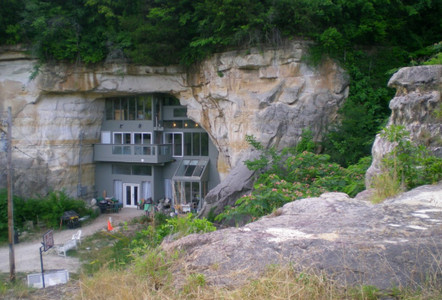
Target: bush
(286,178)
(407,166)
(47,210)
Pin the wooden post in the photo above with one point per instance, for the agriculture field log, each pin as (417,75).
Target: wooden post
(10,201)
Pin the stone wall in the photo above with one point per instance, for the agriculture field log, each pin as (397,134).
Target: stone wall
(268,93)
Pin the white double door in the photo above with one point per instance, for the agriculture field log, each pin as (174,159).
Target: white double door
(131,194)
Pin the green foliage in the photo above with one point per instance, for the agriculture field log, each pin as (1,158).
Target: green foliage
(434,54)
(291,177)
(407,166)
(170,31)
(366,109)
(412,165)
(47,211)
(153,264)
(186,225)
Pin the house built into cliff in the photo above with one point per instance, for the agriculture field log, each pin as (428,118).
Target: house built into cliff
(150,149)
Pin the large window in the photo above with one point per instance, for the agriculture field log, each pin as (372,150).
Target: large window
(128,169)
(129,108)
(125,138)
(176,139)
(196,144)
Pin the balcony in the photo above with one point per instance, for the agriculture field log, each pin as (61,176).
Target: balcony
(152,154)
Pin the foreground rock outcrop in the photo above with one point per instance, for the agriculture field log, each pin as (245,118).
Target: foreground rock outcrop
(417,106)
(395,243)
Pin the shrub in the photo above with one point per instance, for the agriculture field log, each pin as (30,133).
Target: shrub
(286,178)
(407,166)
(46,210)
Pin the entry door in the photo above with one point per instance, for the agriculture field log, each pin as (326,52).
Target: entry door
(131,193)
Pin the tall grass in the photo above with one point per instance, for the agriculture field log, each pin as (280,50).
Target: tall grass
(278,282)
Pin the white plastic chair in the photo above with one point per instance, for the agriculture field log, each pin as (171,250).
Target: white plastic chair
(77,237)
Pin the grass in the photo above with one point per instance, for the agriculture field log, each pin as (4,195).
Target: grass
(14,290)
(385,186)
(278,282)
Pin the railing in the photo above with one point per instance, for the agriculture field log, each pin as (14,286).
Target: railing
(154,153)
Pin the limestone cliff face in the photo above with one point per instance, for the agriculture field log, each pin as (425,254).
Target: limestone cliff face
(57,114)
(417,105)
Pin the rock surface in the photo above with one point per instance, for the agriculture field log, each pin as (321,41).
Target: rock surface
(395,243)
(417,105)
(58,109)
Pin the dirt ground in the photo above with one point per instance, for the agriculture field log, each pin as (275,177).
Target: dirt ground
(27,254)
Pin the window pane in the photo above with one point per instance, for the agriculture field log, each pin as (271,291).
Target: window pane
(178,144)
(147,138)
(168,138)
(189,124)
(131,110)
(124,107)
(204,144)
(191,167)
(137,138)
(180,112)
(196,144)
(173,124)
(195,194)
(121,169)
(109,109)
(126,138)
(140,108)
(141,170)
(187,143)
(118,110)
(171,101)
(118,138)
(188,191)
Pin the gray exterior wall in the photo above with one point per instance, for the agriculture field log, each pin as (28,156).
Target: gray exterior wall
(104,178)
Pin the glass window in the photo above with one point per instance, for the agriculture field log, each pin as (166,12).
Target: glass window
(131,103)
(171,101)
(142,138)
(127,138)
(176,139)
(196,144)
(109,108)
(118,138)
(141,170)
(129,108)
(180,112)
(191,167)
(178,145)
(188,143)
(173,124)
(118,110)
(189,124)
(121,169)
(124,109)
(204,144)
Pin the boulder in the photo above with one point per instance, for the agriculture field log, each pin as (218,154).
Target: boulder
(395,243)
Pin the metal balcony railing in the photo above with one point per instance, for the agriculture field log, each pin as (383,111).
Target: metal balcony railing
(153,153)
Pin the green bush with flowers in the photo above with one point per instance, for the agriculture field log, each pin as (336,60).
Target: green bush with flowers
(293,174)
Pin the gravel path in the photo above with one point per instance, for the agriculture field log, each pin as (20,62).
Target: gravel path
(27,254)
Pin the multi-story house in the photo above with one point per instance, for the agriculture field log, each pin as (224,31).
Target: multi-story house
(150,149)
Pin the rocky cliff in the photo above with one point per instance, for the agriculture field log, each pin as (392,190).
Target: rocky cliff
(417,106)
(58,109)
